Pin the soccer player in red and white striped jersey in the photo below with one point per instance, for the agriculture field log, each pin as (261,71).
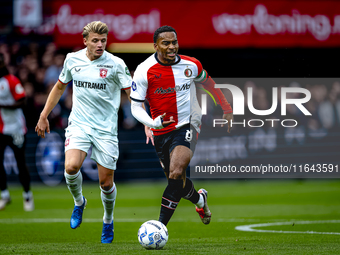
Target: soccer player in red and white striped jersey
(13,134)
(167,80)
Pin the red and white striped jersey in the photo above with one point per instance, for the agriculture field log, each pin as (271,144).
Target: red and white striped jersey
(12,121)
(169,89)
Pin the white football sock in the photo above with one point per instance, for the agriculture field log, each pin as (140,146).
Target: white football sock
(200,202)
(5,194)
(74,184)
(27,195)
(108,199)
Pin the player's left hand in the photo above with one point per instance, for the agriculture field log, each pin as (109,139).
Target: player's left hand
(149,136)
(229,118)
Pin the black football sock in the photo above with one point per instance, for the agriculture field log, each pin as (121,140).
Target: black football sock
(171,197)
(189,192)
(3,175)
(3,178)
(24,177)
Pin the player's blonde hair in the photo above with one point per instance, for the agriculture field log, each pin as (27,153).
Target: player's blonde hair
(97,27)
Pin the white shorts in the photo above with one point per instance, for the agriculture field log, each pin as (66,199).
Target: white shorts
(104,151)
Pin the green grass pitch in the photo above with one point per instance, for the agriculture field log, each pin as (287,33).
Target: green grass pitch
(303,217)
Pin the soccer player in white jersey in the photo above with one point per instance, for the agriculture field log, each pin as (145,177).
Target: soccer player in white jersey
(167,81)
(98,78)
(13,134)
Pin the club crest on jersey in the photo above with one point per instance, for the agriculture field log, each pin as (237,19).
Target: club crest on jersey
(103,72)
(134,86)
(67,142)
(188,72)
(127,71)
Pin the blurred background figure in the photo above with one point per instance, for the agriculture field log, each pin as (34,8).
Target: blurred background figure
(13,133)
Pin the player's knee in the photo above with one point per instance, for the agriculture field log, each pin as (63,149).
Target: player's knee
(176,174)
(71,169)
(106,185)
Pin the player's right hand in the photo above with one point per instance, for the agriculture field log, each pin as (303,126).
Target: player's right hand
(42,125)
(159,123)
(168,122)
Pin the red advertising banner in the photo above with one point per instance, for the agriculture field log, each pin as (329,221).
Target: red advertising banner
(200,24)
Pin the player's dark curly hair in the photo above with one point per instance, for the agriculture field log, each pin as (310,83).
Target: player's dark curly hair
(162,30)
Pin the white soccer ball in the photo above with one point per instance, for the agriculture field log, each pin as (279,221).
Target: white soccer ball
(153,234)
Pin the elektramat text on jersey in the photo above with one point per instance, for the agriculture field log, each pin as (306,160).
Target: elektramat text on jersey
(89,85)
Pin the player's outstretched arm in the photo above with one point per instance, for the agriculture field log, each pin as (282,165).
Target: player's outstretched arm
(142,116)
(148,132)
(52,100)
(209,84)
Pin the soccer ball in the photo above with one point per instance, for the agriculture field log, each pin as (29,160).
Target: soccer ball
(153,234)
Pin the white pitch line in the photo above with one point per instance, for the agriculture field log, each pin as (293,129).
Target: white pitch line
(64,220)
(251,227)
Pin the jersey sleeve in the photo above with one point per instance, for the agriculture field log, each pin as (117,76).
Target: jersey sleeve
(139,85)
(65,76)
(201,77)
(123,76)
(201,73)
(17,90)
(198,69)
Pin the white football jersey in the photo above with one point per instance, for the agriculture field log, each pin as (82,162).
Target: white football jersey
(170,89)
(97,87)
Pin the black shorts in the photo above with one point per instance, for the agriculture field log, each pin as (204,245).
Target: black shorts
(164,144)
(16,142)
